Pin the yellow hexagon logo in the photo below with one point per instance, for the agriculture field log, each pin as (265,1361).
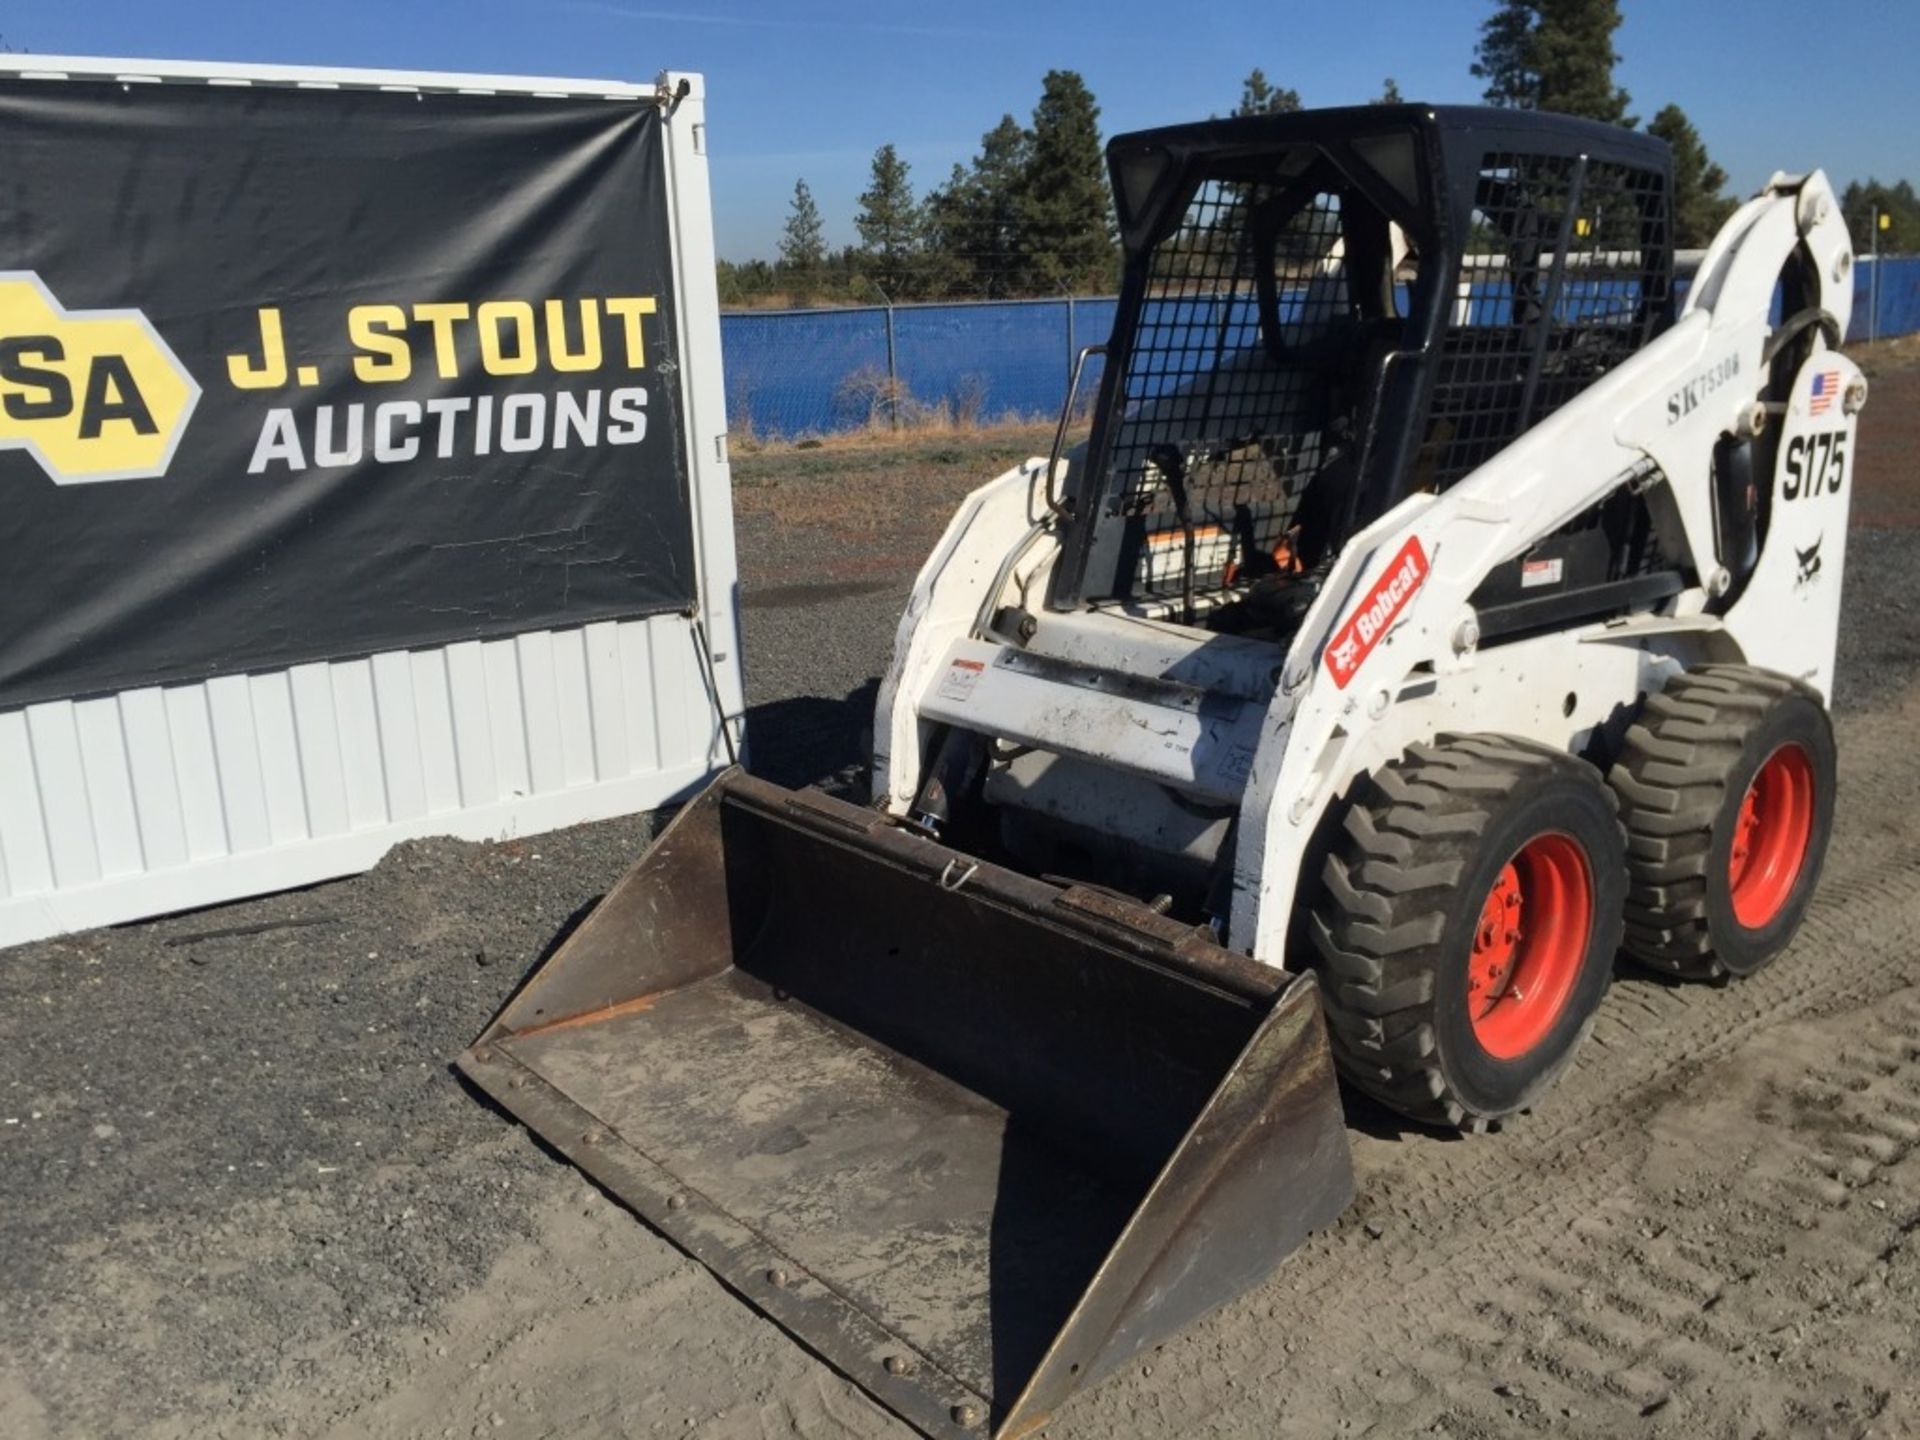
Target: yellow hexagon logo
(90,394)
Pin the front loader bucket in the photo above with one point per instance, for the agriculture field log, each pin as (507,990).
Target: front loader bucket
(972,1138)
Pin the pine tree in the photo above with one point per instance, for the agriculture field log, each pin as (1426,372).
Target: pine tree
(1699,206)
(998,173)
(948,265)
(1259,96)
(889,223)
(1553,55)
(1574,55)
(1064,222)
(1389,92)
(973,220)
(803,246)
(1503,57)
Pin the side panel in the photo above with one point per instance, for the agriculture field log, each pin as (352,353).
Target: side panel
(1788,617)
(158,800)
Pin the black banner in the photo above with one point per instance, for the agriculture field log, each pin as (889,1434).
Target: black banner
(288,375)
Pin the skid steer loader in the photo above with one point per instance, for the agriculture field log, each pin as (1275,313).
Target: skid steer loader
(1437,607)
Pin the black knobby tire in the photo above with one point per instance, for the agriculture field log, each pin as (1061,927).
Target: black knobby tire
(1421,848)
(1682,777)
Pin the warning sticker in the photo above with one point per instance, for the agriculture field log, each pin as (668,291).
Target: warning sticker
(1541,572)
(961,677)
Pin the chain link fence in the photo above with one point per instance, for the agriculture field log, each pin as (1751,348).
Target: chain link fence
(812,372)
(793,373)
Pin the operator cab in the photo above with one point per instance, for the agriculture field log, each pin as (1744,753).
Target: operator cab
(1324,312)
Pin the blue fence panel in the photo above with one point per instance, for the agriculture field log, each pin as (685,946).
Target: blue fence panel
(993,362)
(1181,336)
(801,372)
(1899,307)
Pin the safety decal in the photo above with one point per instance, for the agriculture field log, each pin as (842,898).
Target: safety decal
(1542,572)
(960,679)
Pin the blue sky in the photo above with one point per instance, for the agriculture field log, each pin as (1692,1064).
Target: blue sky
(811,88)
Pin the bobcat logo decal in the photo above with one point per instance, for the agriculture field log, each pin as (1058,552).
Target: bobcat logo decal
(1809,559)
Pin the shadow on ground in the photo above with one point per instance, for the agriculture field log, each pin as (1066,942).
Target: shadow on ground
(811,740)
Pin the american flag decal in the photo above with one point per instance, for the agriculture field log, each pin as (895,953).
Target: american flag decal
(1825,386)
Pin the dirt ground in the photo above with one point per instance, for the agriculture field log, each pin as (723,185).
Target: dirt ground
(242,1194)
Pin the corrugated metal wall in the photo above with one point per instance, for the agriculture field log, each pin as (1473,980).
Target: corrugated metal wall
(162,799)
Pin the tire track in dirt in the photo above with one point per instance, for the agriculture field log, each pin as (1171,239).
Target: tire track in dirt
(1643,1314)
(1540,1275)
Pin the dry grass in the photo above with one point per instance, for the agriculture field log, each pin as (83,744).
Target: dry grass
(875,406)
(865,482)
(931,426)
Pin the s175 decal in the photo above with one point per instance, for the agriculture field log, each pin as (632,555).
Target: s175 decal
(1816,465)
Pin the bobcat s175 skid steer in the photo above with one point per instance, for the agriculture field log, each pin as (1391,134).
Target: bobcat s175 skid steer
(1438,607)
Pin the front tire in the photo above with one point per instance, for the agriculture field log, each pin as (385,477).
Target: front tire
(1466,926)
(1727,785)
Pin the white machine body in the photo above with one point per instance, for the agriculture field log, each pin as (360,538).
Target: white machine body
(1183,723)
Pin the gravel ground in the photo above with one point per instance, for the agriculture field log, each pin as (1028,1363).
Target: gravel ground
(244,1194)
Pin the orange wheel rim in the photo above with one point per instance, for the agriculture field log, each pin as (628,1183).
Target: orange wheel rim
(1528,945)
(1771,836)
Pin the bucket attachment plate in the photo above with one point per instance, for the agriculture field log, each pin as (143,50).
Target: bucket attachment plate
(972,1138)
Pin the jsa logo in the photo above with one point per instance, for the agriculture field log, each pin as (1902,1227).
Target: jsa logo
(1354,641)
(90,394)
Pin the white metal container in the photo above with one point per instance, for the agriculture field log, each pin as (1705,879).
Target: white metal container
(166,798)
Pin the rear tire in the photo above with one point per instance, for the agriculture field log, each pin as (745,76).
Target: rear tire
(1466,926)
(1726,782)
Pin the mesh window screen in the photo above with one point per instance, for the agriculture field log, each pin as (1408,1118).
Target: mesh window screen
(1562,278)
(1233,409)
